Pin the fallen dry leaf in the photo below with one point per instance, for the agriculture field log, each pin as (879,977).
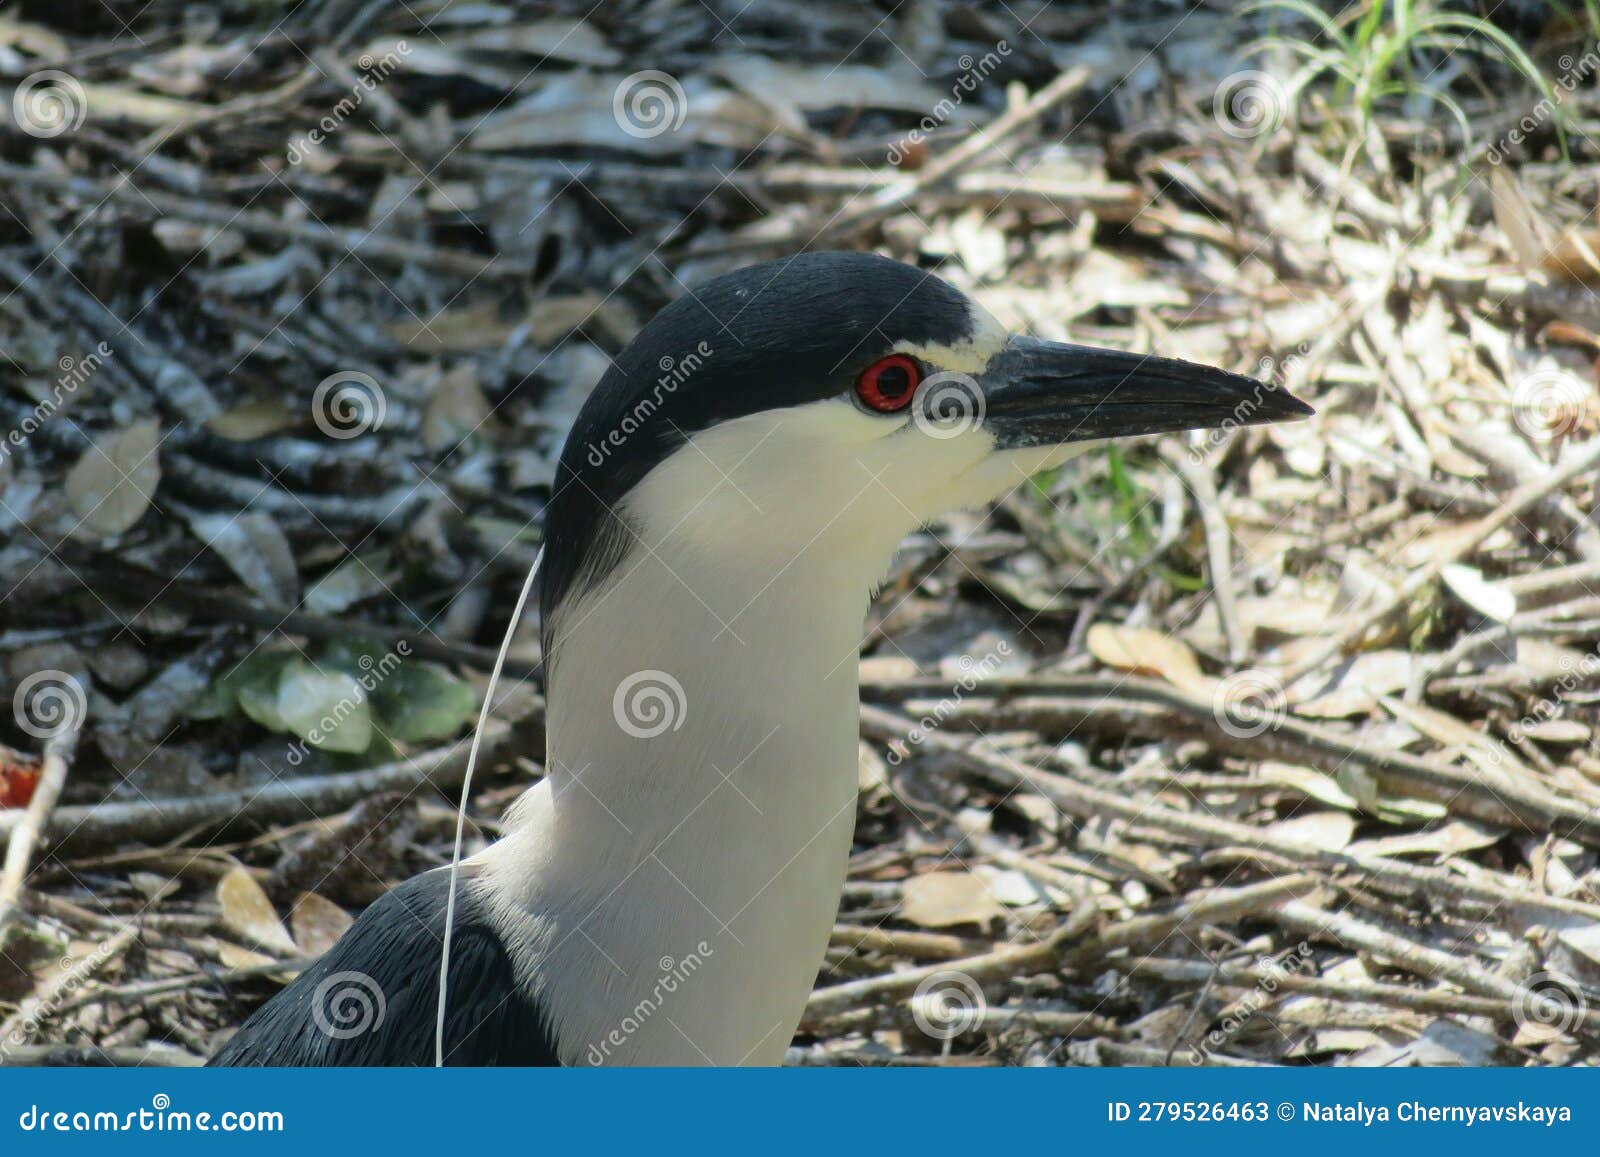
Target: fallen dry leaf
(942,899)
(247,911)
(113,482)
(1147,652)
(317,923)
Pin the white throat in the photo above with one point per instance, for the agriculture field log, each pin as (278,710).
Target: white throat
(687,851)
(684,858)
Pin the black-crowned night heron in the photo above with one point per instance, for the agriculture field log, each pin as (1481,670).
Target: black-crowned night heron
(728,498)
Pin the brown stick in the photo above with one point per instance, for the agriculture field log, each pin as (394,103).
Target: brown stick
(1127,705)
(1208,831)
(21,1025)
(283,801)
(1051,953)
(26,833)
(1521,500)
(887,200)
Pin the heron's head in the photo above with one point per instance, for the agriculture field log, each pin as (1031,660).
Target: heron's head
(820,407)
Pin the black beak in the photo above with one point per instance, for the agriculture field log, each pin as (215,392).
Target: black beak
(1039,393)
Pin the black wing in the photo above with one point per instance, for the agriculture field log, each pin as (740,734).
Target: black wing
(373,998)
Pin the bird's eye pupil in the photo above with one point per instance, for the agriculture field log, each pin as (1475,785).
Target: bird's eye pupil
(888,384)
(893,381)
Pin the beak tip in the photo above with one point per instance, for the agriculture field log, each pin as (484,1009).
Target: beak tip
(1294,409)
(1269,404)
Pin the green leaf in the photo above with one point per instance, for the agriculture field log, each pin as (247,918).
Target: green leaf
(258,672)
(326,708)
(217,701)
(420,702)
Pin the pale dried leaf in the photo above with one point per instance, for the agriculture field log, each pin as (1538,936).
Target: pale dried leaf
(1316,785)
(1148,652)
(252,420)
(255,548)
(1489,599)
(1324,831)
(941,899)
(317,923)
(457,410)
(111,485)
(247,911)
(1448,838)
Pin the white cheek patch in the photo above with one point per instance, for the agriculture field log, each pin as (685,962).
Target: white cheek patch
(769,481)
(762,487)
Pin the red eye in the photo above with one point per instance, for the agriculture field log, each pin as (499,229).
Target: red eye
(888,383)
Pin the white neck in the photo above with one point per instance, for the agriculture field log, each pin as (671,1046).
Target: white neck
(686,875)
(684,883)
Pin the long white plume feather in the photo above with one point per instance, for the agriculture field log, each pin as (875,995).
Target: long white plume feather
(461,810)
